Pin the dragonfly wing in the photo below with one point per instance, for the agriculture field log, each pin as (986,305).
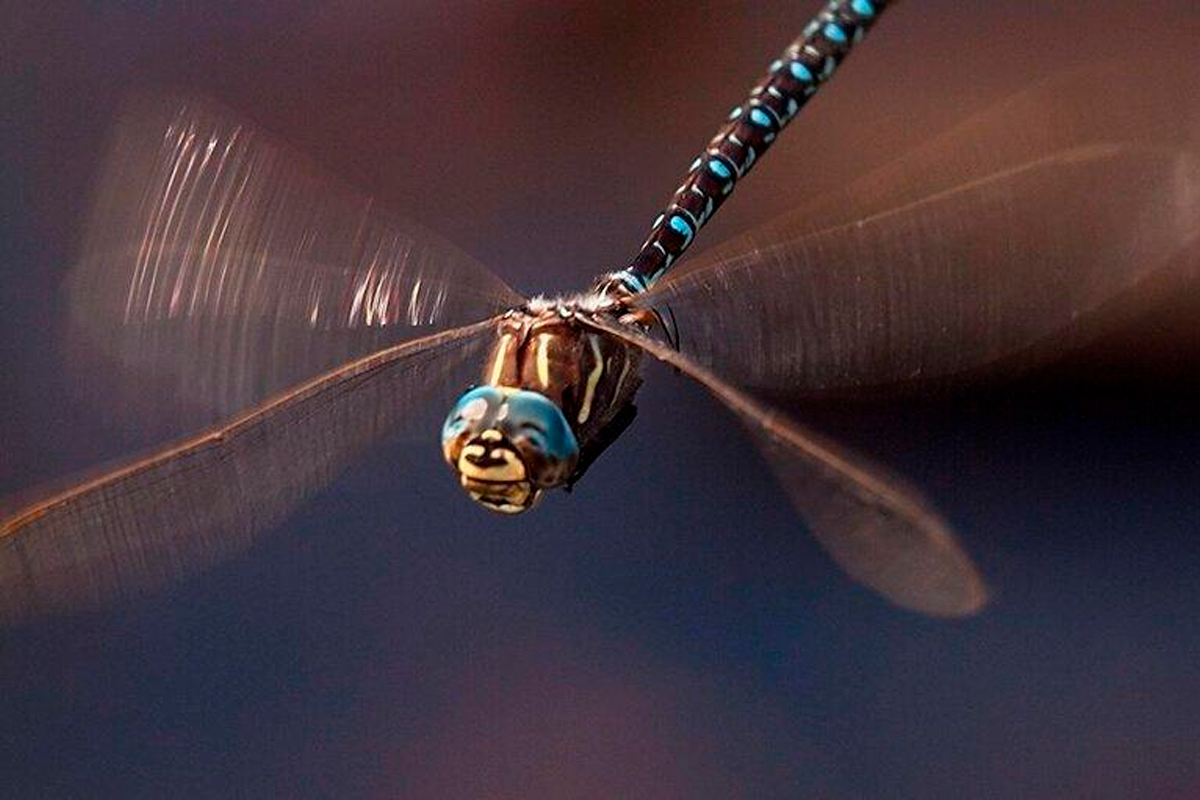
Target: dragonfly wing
(219,262)
(993,239)
(173,513)
(883,534)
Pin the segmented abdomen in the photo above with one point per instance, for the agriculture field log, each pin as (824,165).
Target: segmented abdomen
(752,126)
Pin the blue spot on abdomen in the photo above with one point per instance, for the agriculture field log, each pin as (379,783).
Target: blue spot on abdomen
(834,33)
(801,72)
(863,8)
(719,169)
(682,227)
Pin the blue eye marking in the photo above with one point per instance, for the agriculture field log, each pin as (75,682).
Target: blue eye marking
(530,408)
(472,406)
(514,411)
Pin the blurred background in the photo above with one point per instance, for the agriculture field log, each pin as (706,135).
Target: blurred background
(635,638)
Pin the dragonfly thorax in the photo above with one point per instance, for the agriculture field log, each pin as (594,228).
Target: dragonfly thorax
(550,393)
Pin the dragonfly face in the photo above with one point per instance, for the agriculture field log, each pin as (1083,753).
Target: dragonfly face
(507,445)
(549,402)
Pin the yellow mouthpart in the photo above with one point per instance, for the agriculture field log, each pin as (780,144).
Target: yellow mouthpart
(500,483)
(506,466)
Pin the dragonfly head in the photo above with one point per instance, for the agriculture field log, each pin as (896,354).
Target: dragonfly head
(507,445)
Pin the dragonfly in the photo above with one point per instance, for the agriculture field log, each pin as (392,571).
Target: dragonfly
(221,264)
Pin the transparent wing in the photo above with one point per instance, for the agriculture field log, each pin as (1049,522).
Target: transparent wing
(166,516)
(881,533)
(993,239)
(219,263)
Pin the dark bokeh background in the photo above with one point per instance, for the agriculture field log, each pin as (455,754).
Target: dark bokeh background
(642,637)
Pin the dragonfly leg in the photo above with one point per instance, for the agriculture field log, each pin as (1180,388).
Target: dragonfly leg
(643,318)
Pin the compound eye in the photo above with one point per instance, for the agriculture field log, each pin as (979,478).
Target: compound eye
(534,433)
(472,410)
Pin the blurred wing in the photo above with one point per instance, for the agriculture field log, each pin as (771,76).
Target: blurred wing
(219,262)
(881,533)
(171,514)
(991,240)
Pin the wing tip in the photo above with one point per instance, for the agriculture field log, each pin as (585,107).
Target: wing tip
(967,603)
(957,593)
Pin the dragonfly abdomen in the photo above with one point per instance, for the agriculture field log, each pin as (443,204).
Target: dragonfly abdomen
(751,128)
